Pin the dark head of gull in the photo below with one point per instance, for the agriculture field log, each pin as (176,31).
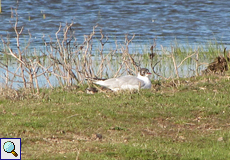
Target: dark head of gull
(144,72)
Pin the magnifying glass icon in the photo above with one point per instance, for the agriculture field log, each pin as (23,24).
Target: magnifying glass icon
(9,147)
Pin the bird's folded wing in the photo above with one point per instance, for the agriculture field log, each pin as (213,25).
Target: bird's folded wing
(123,81)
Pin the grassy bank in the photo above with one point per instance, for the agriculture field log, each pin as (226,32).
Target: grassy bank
(184,115)
(189,120)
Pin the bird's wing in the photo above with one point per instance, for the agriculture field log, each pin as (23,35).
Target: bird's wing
(124,82)
(131,80)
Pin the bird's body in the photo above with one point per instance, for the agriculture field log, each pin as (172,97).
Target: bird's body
(127,82)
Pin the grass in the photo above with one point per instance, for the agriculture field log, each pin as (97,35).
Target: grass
(186,118)
(190,121)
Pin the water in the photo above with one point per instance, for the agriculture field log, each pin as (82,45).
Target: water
(190,22)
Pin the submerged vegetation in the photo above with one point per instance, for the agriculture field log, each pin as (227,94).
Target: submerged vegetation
(185,115)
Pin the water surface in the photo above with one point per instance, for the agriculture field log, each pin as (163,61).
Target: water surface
(190,21)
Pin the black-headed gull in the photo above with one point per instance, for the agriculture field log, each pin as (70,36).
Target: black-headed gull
(127,82)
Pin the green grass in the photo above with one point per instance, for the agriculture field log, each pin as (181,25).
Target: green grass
(164,123)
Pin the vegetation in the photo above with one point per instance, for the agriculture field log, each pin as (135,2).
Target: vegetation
(184,116)
(63,61)
(188,121)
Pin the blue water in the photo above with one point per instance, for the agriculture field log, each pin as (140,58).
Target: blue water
(190,21)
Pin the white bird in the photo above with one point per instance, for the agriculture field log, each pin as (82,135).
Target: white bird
(127,82)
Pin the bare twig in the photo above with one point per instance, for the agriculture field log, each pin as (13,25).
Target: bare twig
(156,72)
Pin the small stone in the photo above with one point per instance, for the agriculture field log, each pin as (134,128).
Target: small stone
(181,137)
(14,114)
(220,139)
(126,140)
(96,136)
